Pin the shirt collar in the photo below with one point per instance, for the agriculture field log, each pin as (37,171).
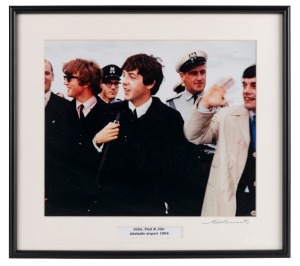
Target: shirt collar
(187,95)
(251,114)
(102,98)
(47,97)
(141,110)
(88,105)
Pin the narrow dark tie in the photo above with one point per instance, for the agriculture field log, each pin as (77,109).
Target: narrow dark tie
(135,115)
(81,115)
(253,132)
(195,97)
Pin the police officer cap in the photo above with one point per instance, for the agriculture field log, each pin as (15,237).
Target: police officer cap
(111,72)
(191,60)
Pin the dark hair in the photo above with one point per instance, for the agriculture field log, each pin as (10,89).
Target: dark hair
(51,67)
(250,72)
(88,72)
(148,67)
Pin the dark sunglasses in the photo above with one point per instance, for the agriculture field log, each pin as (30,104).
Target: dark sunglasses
(69,77)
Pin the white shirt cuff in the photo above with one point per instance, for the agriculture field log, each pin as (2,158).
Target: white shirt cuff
(99,149)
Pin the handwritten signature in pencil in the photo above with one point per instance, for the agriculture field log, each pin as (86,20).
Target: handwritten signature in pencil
(244,221)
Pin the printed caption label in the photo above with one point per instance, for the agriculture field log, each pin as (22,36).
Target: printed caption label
(150,232)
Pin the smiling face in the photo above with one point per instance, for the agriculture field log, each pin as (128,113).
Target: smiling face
(194,79)
(82,79)
(249,93)
(134,88)
(75,90)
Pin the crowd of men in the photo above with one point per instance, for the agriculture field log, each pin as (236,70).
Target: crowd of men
(140,157)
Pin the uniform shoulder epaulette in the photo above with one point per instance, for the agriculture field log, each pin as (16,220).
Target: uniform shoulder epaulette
(117,100)
(174,97)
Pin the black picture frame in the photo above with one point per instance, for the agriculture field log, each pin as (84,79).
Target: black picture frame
(283,11)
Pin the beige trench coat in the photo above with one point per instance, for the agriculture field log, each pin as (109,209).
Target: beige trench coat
(230,129)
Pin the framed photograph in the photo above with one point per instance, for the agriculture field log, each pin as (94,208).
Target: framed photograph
(142,200)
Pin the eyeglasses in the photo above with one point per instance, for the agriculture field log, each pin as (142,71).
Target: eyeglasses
(109,84)
(69,77)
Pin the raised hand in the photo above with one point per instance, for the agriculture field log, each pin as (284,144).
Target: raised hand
(214,97)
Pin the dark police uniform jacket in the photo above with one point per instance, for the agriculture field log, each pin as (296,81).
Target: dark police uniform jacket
(198,157)
(142,173)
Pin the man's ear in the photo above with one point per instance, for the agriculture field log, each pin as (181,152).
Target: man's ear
(150,86)
(182,76)
(88,85)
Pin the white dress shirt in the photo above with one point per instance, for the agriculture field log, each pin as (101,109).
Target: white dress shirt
(88,106)
(47,97)
(141,110)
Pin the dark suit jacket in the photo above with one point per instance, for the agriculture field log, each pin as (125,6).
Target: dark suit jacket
(142,170)
(53,113)
(73,162)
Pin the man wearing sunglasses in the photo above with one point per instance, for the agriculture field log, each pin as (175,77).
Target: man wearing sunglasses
(77,161)
(110,83)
